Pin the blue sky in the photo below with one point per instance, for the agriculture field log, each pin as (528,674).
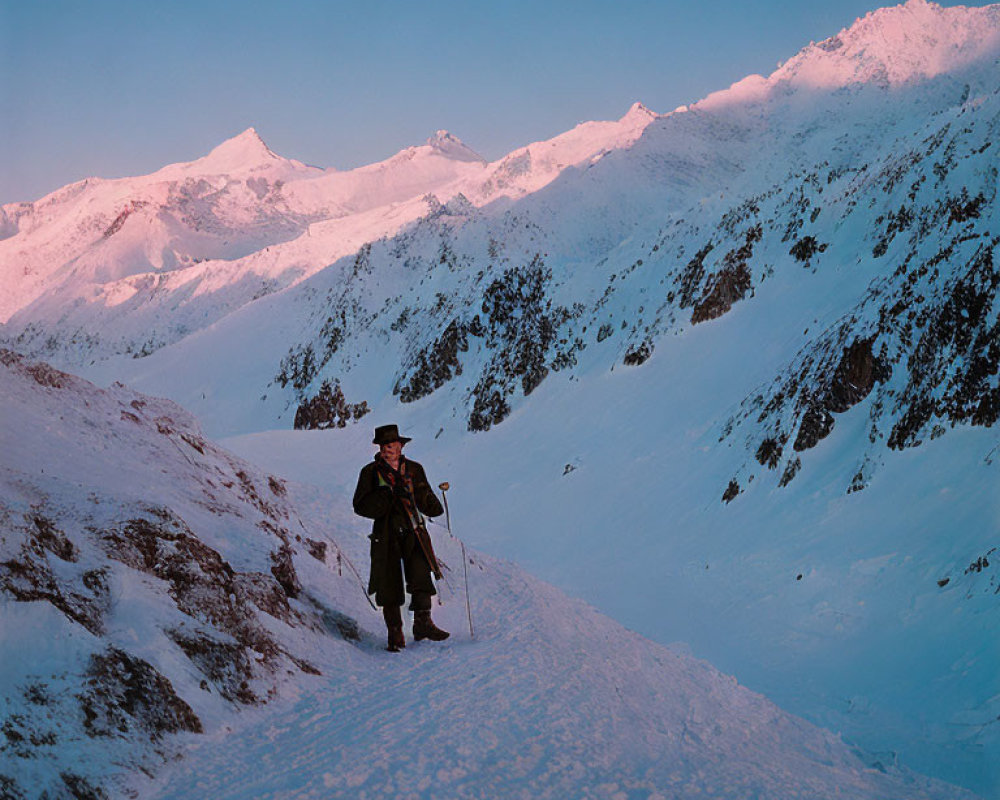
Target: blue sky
(113,88)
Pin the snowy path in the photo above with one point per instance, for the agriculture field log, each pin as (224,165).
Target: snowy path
(550,701)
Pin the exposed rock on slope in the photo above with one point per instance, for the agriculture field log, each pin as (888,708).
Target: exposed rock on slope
(157,570)
(922,340)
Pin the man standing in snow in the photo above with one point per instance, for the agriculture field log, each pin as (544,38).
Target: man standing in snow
(393,491)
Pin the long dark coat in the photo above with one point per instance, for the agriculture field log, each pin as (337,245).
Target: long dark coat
(392,541)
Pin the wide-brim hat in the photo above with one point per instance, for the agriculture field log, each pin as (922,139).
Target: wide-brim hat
(384,434)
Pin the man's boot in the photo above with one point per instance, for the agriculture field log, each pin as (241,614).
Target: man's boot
(424,627)
(394,624)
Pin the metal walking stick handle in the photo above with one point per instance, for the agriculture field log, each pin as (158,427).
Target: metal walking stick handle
(444,487)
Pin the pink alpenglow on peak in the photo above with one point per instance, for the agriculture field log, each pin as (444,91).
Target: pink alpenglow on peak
(452,147)
(243,153)
(748,90)
(245,149)
(890,47)
(639,114)
(896,45)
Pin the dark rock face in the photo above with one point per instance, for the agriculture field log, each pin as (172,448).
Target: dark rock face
(769,453)
(267,593)
(730,284)
(732,490)
(42,373)
(638,355)
(82,595)
(805,248)
(227,666)
(852,380)
(80,788)
(316,549)
(203,585)
(831,380)
(727,287)
(127,693)
(119,221)
(48,537)
(328,409)
(283,571)
(854,377)
(68,785)
(691,277)
(955,364)
(816,425)
(438,363)
(791,470)
(489,409)
(519,328)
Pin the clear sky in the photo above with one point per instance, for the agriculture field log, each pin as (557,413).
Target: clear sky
(110,88)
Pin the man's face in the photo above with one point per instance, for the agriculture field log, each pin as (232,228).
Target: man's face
(391,451)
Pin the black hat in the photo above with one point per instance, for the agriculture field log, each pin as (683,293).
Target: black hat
(384,434)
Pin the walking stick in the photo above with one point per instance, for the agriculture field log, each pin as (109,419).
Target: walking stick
(465,561)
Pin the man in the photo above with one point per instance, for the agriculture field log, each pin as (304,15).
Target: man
(393,491)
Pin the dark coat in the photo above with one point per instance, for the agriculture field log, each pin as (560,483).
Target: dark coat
(392,541)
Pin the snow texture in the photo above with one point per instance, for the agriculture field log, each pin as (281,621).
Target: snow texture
(729,374)
(550,699)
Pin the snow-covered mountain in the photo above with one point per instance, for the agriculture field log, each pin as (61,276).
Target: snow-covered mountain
(155,588)
(729,373)
(126,266)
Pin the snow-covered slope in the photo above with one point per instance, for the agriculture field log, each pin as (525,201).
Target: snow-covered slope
(738,374)
(154,585)
(792,291)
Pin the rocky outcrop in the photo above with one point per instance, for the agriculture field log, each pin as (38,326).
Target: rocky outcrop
(126,694)
(519,328)
(435,365)
(202,584)
(728,285)
(143,619)
(954,366)
(854,377)
(815,425)
(35,573)
(328,409)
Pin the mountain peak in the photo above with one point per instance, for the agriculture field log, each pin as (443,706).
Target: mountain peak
(638,112)
(243,151)
(452,147)
(897,44)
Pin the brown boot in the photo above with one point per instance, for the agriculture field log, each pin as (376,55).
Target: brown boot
(424,628)
(394,624)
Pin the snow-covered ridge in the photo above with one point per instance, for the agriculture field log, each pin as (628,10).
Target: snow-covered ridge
(899,45)
(154,585)
(453,147)
(891,47)
(235,204)
(243,153)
